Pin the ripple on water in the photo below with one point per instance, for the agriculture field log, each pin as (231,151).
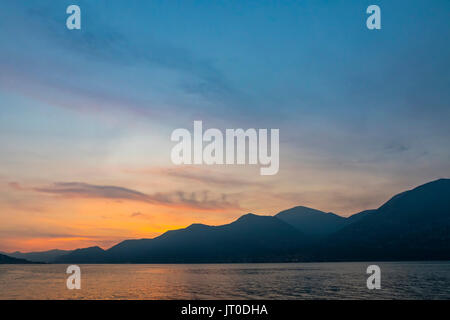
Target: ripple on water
(409,280)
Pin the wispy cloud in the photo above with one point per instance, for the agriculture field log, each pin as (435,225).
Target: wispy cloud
(200,175)
(36,233)
(15,185)
(88,56)
(136,214)
(195,200)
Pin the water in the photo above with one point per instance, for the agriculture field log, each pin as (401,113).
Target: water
(399,280)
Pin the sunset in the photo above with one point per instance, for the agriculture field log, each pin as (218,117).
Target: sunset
(258,143)
(107,127)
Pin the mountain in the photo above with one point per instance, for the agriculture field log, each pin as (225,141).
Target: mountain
(85,255)
(251,238)
(4,259)
(413,225)
(43,256)
(312,222)
(358,216)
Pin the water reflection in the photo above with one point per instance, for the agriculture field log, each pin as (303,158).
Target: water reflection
(424,280)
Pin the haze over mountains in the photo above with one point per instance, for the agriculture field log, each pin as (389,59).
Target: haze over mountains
(4,259)
(42,256)
(413,225)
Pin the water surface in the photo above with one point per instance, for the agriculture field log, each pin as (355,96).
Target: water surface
(399,280)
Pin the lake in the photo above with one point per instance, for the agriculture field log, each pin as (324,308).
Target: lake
(399,280)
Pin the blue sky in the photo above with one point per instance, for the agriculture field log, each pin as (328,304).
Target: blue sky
(354,106)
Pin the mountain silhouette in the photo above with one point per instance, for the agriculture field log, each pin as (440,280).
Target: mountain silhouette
(251,238)
(4,259)
(358,216)
(312,222)
(42,256)
(413,225)
(85,255)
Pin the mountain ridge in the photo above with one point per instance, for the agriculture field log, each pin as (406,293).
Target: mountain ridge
(412,225)
(48,256)
(311,221)
(5,259)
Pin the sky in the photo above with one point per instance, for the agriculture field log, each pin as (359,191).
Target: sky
(86,115)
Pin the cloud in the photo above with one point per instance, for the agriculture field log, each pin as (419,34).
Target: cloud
(199,175)
(396,147)
(15,186)
(35,233)
(194,200)
(136,214)
(88,55)
(80,189)
(140,215)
